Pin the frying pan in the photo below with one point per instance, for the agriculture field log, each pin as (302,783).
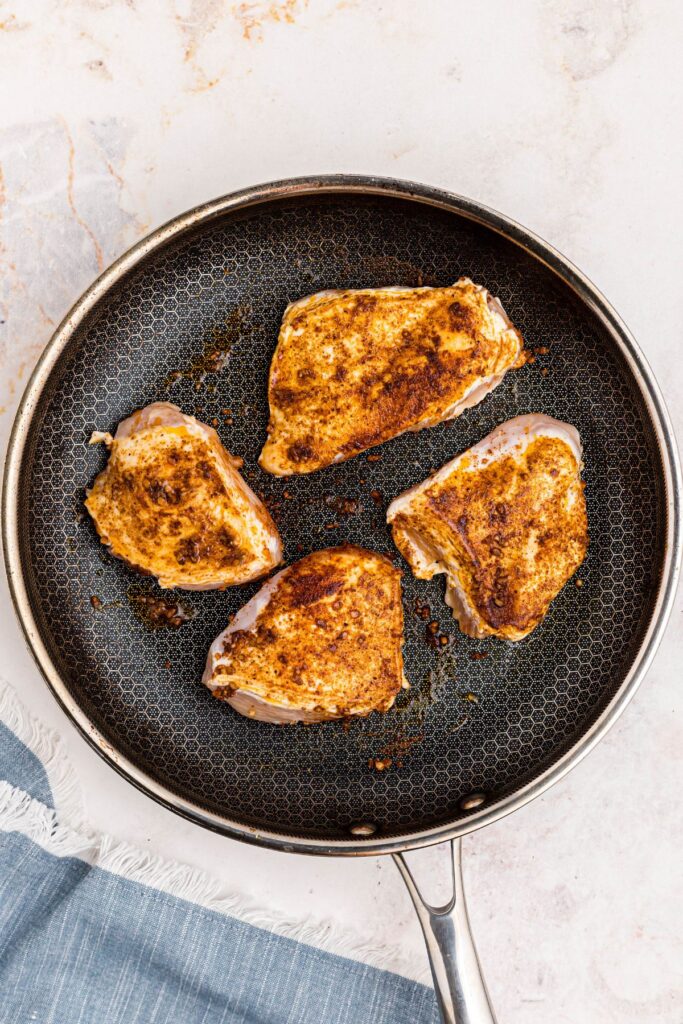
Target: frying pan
(191,315)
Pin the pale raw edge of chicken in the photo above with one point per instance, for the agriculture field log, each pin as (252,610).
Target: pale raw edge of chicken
(165,414)
(243,700)
(513,435)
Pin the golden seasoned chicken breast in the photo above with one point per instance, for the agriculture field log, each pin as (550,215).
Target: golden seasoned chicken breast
(172,504)
(322,639)
(506,521)
(355,368)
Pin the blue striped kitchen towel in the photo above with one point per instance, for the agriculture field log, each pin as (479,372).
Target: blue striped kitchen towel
(93,931)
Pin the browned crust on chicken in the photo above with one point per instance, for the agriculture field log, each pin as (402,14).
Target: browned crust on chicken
(516,529)
(172,504)
(355,368)
(327,642)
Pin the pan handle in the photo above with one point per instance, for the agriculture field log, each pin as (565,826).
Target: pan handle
(458,981)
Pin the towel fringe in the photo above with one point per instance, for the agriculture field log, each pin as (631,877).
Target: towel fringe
(19,812)
(48,747)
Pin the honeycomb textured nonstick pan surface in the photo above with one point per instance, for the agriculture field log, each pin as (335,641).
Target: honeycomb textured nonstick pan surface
(196,324)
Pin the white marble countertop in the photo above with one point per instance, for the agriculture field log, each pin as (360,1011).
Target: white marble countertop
(118,114)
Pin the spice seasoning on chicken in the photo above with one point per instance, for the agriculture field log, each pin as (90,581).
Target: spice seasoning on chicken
(355,368)
(172,503)
(505,520)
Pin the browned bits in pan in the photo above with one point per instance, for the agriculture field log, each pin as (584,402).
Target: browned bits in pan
(160,611)
(342,506)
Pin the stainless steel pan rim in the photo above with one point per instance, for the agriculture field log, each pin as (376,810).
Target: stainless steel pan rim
(533,245)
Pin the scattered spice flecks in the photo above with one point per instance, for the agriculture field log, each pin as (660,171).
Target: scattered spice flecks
(413,704)
(423,611)
(100,606)
(398,749)
(215,353)
(342,506)
(462,721)
(435,638)
(542,350)
(161,611)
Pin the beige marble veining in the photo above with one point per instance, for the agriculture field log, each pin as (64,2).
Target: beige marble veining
(118,114)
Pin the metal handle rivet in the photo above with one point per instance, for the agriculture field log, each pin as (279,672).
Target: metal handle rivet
(468,803)
(363,828)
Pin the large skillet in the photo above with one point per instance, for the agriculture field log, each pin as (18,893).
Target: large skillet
(475,738)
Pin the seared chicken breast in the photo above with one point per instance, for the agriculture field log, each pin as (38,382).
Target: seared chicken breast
(172,504)
(506,521)
(322,639)
(355,368)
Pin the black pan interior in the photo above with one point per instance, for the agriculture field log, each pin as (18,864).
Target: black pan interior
(470,723)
